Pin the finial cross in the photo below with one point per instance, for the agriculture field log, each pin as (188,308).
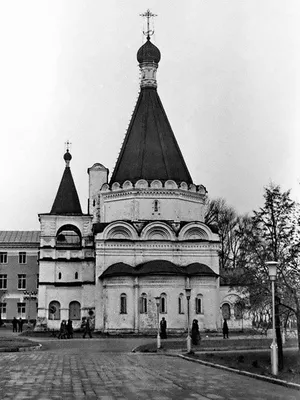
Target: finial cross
(68,145)
(148,14)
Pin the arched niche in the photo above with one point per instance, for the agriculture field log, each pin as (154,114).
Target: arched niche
(120,230)
(127,185)
(169,184)
(184,186)
(156,184)
(115,186)
(141,184)
(105,188)
(195,231)
(68,236)
(201,189)
(157,231)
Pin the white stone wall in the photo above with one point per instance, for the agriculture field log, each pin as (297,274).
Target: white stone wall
(154,286)
(177,205)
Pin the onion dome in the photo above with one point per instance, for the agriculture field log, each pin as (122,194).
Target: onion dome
(67,156)
(148,53)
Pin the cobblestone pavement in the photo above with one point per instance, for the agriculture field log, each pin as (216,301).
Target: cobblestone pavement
(81,369)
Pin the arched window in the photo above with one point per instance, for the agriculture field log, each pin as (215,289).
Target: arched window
(68,236)
(198,304)
(123,303)
(59,275)
(143,303)
(76,275)
(54,310)
(163,303)
(180,304)
(74,310)
(226,311)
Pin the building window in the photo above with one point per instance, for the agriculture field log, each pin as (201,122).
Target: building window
(22,281)
(54,310)
(3,281)
(74,311)
(3,257)
(198,305)
(143,303)
(180,304)
(76,275)
(155,206)
(123,304)
(22,257)
(163,303)
(37,280)
(21,309)
(226,311)
(3,309)
(59,275)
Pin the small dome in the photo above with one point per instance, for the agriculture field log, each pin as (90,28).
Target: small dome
(148,53)
(67,156)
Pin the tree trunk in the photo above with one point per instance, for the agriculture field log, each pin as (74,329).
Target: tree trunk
(298,318)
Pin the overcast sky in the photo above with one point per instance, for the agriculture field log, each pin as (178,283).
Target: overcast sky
(228,79)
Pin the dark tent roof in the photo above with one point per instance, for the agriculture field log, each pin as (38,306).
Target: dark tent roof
(66,200)
(158,267)
(150,150)
(118,269)
(200,269)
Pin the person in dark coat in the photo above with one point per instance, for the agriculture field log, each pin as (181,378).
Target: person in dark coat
(163,328)
(70,329)
(195,333)
(87,328)
(225,329)
(63,330)
(20,324)
(15,324)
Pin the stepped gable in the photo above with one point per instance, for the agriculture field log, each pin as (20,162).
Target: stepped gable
(66,201)
(150,150)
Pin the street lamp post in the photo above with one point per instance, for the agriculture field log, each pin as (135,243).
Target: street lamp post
(274,348)
(188,339)
(28,295)
(157,299)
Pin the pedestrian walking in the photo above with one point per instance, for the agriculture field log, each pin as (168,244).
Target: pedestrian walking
(87,327)
(15,324)
(20,324)
(163,328)
(225,329)
(195,333)
(63,330)
(70,329)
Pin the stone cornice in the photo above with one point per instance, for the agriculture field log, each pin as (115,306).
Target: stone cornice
(172,193)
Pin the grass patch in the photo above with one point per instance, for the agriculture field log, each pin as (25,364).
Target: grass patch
(11,343)
(258,362)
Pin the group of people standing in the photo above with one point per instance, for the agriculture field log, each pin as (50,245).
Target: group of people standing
(66,330)
(17,324)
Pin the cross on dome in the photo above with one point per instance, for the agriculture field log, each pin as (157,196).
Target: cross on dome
(148,14)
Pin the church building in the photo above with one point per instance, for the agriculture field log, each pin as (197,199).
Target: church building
(129,261)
